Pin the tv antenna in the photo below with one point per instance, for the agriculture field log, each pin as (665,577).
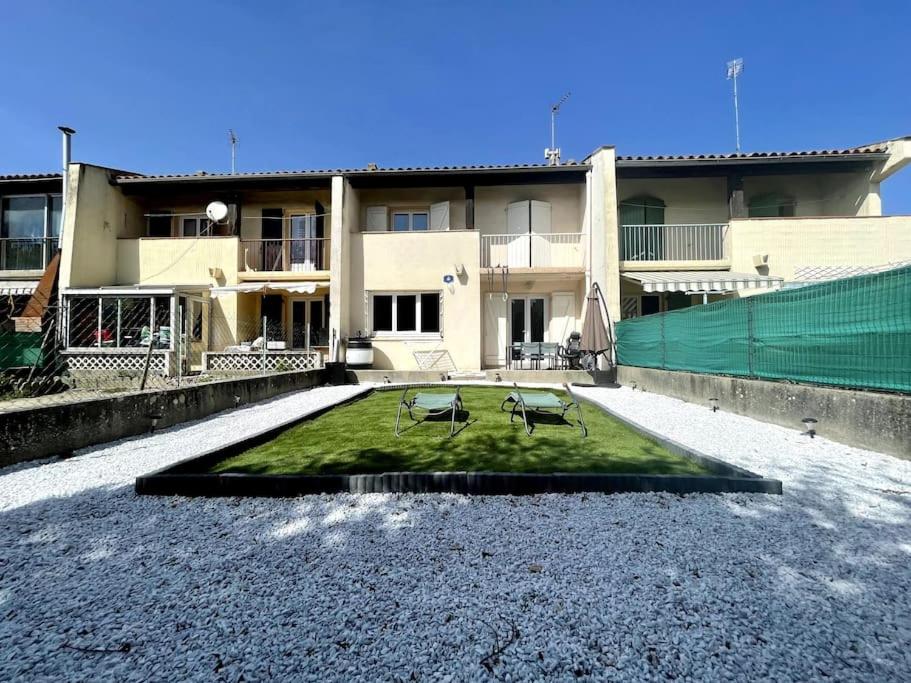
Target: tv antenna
(735,68)
(552,153)
(233,139)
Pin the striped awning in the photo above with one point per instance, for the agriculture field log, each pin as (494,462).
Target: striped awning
(263,287)
(18,287)
(699,281)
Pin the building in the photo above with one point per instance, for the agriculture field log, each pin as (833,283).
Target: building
(446,268)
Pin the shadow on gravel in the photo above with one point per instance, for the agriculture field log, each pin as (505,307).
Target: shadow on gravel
(806,585)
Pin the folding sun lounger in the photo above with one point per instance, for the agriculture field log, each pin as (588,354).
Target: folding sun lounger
(432,405)
(544,403)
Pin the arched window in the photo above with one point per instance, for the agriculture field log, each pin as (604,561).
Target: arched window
(642,210)
(771,205)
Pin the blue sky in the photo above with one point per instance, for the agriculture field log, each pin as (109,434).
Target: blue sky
(154,87)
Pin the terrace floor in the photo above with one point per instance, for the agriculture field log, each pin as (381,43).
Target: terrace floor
(96,582)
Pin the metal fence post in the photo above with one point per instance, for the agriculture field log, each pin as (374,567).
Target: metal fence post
(265,343)
(750,337)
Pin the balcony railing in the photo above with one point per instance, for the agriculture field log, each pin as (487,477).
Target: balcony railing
(695,242)
(26,253)
(545,250)
(296,255)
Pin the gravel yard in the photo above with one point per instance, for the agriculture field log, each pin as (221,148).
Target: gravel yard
(97,583)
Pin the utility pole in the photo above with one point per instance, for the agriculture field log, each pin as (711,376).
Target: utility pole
(735,68)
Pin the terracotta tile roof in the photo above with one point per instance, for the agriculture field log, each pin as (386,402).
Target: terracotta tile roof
(816,153)
(361,171)
(31,176)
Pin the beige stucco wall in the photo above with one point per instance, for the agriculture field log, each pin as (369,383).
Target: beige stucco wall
(796,242)
(566,200)
(417,262)
(186,261)
(96,214)
(704,200)
(687,200)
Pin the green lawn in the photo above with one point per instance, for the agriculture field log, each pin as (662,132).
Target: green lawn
(358,439)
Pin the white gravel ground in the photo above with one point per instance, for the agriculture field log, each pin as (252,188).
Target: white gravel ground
(96,583)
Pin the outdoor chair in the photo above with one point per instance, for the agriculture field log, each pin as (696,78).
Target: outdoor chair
(432,405)
(541,403)
(548,352)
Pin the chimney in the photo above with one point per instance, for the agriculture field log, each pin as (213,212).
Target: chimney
(67,134)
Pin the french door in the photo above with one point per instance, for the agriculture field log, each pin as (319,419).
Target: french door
(309,326)
(527,320)
(306,243)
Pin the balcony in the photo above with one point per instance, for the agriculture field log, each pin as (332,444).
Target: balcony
(699,245)
(26,253)
(545,251)
(295,255)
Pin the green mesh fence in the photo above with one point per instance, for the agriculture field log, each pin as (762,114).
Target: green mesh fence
(854,332)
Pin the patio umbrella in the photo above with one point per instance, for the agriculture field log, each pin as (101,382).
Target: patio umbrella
(596,336)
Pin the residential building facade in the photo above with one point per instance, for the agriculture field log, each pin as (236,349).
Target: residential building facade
(447,268)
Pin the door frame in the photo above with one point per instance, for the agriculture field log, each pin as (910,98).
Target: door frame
(307,300)
(527,298)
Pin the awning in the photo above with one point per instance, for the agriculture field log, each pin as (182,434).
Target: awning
(18,287)
(700,281)
(251,287)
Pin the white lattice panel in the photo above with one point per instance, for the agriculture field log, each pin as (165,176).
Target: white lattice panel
(253,362)
(112,360)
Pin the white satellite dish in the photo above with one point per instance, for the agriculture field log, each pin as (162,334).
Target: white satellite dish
(217,211)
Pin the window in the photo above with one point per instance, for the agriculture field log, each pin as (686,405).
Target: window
(28,225)
(403,221)
(194,226)
(642,210)
(117,322)
(407,313)
(160,224)
(771,205)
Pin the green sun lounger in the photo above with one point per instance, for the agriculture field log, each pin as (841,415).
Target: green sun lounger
(544,403)
(432,405)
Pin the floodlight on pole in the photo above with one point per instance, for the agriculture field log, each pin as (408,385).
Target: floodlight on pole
(552,153)
(735,68)
(233,140)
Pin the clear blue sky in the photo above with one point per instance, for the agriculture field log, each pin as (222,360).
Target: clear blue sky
(154,87)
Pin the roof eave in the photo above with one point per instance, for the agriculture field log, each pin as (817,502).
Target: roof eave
(740,161)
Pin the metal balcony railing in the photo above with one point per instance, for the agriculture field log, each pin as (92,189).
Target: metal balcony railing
(690,242)
(544,250)
(302,255)
(26,253)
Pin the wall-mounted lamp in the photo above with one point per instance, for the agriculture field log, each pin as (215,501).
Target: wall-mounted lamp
(713,401)
(810,423)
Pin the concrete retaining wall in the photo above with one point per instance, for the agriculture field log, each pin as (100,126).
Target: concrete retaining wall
(60,429)
(866,419)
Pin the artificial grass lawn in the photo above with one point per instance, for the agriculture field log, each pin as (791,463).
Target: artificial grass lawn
(358,438)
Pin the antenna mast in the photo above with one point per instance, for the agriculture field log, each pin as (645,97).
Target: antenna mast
(552,153)
(233,139)
(735,68)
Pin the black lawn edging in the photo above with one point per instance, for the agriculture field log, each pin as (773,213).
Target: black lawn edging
(190,477)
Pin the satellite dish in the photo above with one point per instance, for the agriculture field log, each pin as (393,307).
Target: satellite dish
(217,211)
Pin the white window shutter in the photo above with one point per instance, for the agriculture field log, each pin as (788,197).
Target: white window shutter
(540,217)
(439,216)
(377,218)
(517,218)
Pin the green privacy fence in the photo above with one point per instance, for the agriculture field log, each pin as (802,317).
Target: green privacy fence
(19,349)
(854,332)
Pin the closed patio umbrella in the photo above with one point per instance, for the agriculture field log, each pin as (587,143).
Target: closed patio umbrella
(596,336)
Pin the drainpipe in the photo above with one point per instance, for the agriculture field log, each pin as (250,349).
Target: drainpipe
(67,134)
